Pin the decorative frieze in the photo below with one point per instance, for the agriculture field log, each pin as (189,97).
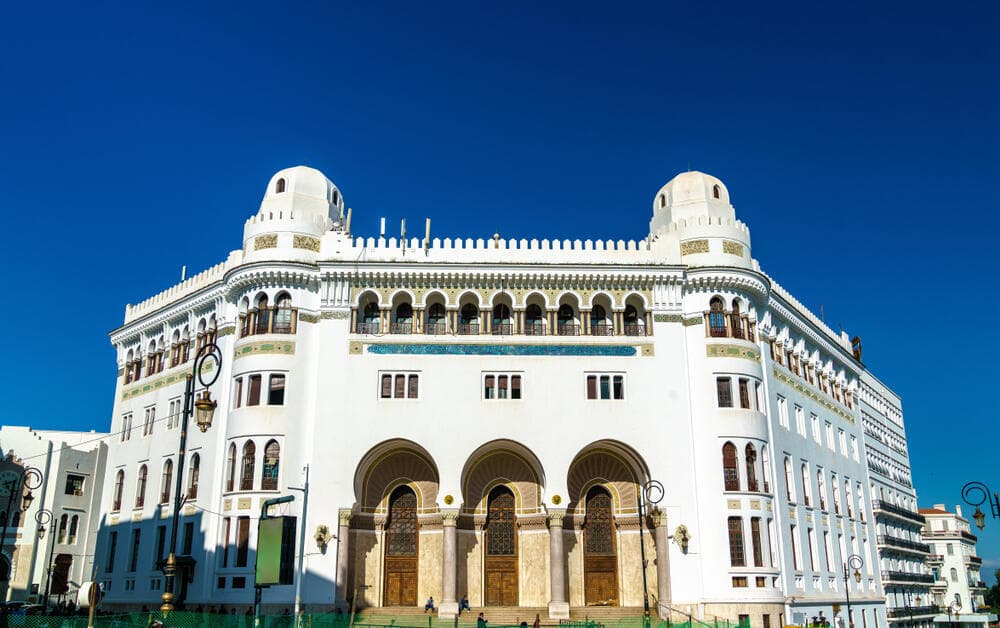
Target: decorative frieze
(305,242)
(263,348)
(809,392)
(732,248)
(496,349)
(269,241)
(689,247)
(732,351)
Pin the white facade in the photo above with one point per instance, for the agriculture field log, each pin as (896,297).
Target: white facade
(390,369)
(72,465)
(958,583)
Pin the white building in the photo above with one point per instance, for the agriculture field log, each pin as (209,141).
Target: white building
(479,417)
(902,553)
(72,466)
(958,584)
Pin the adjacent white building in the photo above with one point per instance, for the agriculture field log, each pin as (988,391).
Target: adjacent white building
(958,583)
(72,466)
(479,418)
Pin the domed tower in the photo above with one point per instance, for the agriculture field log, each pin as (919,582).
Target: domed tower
(299,206)
(694,208)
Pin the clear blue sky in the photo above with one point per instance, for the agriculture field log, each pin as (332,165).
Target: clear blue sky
(858,142)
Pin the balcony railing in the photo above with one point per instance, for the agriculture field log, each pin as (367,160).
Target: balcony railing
(401,327)
(502,329)
(907,611)
(468,329)
(977,584)
(436,328)
(568,329)
(602,329)
(635,329)
(902,576)
(903,543)
(974,560)
(268,320)
(885,506)
(534,328)
(368,328)
(935,558)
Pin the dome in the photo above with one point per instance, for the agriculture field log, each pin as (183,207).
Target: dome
(303,191)
(691,187)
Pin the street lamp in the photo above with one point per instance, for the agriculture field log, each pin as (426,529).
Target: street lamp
(652,493)
(16,484)
(203,408)
(44,517)
(975,494)
(855,562)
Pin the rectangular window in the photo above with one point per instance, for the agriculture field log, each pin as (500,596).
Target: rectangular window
(740,582)
(253,398)
(771,543)
(220,582)
(188,539)
(134,556)
(237,392)
(737,555)
(817,434)
(744,393)
(601,386)
(782,412)
(239,582)
(112,546)
(276,391)
(842,437)
(242,542)
(74,484)
(800,421)
(502,383)
(489,391)
(761,582)
(161,542)
(515,386)
(399,386)
(724,391)
(758,550)
(827,551)
(811,538)
(147,424)
(501,386)
(854,449)
(795,548)
(224,541)
(126,427)
(829,437)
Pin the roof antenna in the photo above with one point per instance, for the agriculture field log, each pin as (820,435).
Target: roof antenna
(184,270)
(822,316)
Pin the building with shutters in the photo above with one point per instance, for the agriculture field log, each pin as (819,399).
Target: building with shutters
(481,418)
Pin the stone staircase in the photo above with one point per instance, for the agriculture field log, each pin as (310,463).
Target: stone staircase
(415,617)
(603,613)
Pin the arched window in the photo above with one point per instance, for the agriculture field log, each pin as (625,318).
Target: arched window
(634,324)
(140,487)
(765,464)
(404,319)
(954,575)
(193,471)
(284,315)
(663,200)
(598,528)
(567,321)
(599,325)
(821,483)
(736,320)
(806,493)
(246,473)
(263,315)
(502,325)
(789,480)
(370,319)
(167,481)
(272,455)
(401,526)
(119,486)
(501,532)
(730,467)
(469,323)
(74,525)
(716,191)
(336,197)
(737,551)
(279,186)
(751,462)
(63,521)
(231,467)
(534,322)
(716,318)
(436,323)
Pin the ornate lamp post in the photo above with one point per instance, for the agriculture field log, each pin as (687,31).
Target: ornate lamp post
(16,484)
(974,494)
(652,493)
(203,408)
(43,517)
(855,562)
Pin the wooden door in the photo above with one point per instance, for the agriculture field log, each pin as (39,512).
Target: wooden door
(600,560)
(401,536)
(501,549)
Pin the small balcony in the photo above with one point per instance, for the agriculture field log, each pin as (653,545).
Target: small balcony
(534,327)
(904,577)
(973,560)
(884,506)
(502,329)
(368,328)
(401,327)
(568,329)
(602,329)
(913,611)
(893,541)
(935,559)
(436,328)
(635,329)
(468,329)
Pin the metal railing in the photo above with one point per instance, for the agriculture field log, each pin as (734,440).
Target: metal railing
(885,506)
(903,543)
(902,576)
(602,329)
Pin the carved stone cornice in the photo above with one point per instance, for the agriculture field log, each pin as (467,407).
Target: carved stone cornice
(709,279)
(271,275)
(532,522)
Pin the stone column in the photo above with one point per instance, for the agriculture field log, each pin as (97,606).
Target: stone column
(662,562)
(559,604)
(449,565)
(343,557)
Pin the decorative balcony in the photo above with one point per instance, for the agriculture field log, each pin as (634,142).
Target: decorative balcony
(368,328)
(901,576)
(884,506)
(436,328)
(401,327)
(568,329)
(973,560)
(534,328)
(468,329)
(635,329)
(602,329)
(935,559)
(502,329)
(913,611)
(893,541)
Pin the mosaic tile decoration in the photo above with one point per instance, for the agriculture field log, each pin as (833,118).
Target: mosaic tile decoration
(732,351)
(470,349)
(255,348)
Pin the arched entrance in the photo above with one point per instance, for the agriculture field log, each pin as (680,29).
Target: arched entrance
(600,555)
(401,539)
(501,549)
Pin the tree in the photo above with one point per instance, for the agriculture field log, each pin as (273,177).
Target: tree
(993,593)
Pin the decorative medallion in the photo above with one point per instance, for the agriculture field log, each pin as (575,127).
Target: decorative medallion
(556,499)
(355,347)
(448,499)
(733,504)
